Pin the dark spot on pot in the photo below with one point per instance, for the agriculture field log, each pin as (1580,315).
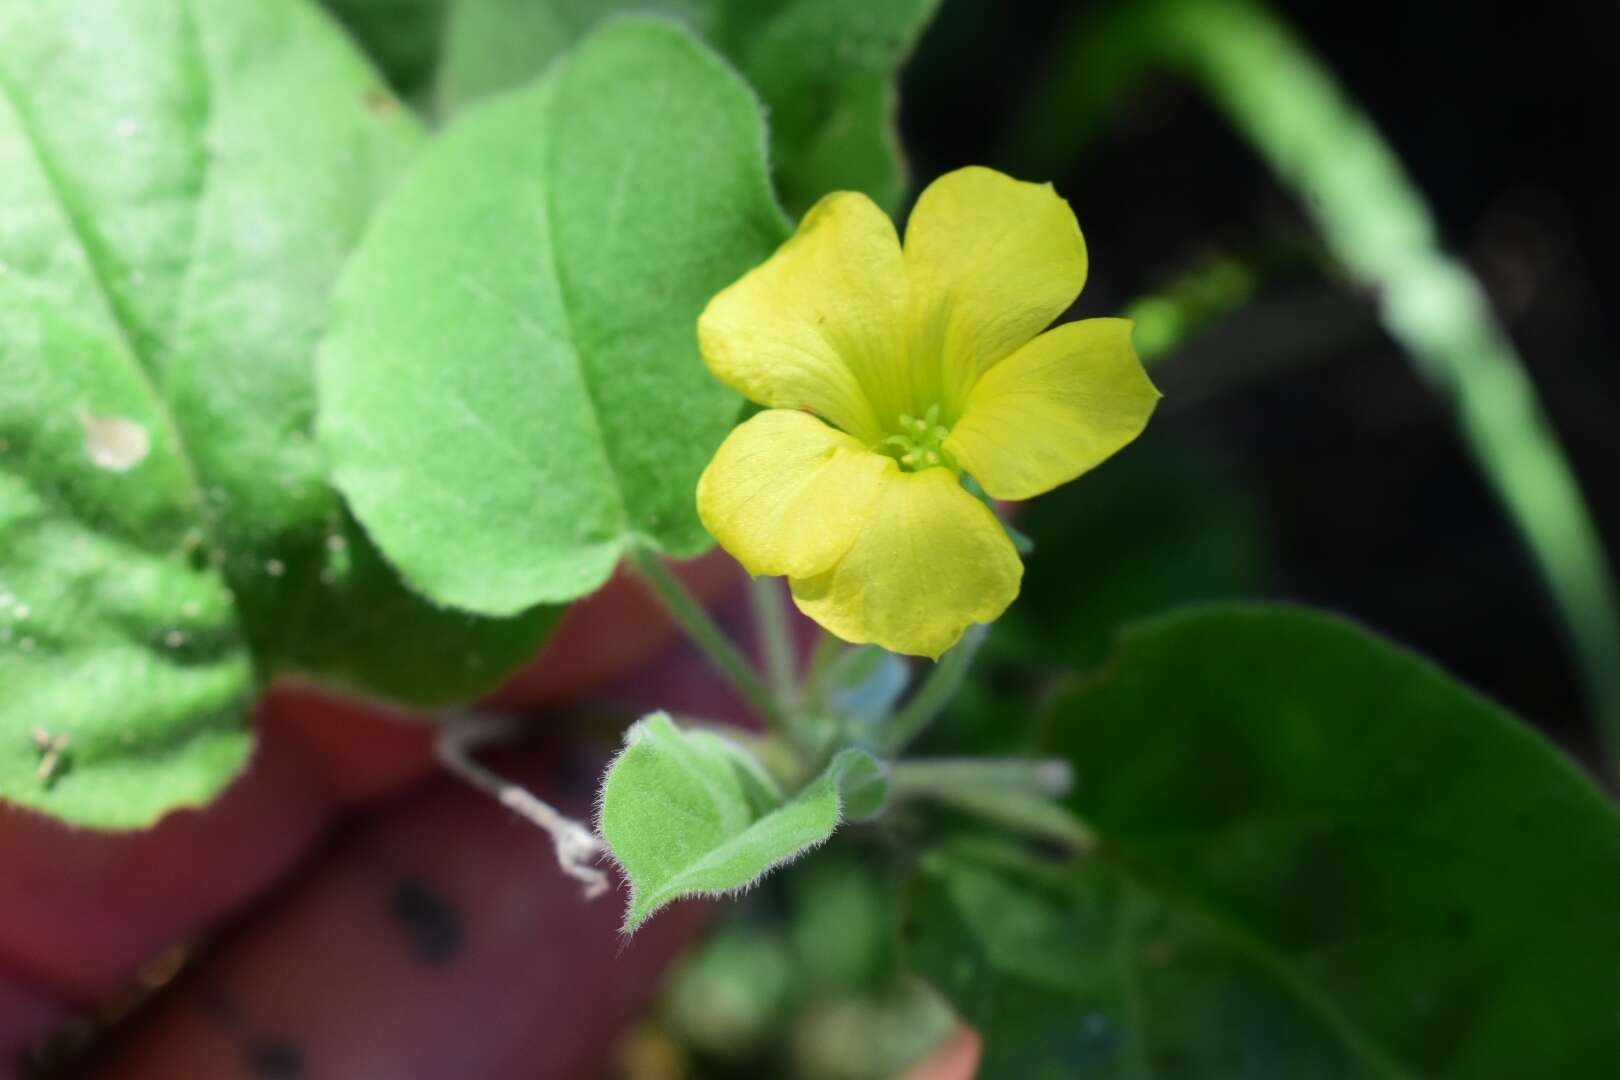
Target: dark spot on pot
(432,924)
(274,1059)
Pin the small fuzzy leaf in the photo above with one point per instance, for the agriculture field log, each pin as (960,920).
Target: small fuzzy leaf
(690,813)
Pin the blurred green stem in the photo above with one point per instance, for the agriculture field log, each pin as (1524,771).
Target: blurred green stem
(706,634)
(775,629)
(1017,793)
(1376,223)
(933,695)
(826,651)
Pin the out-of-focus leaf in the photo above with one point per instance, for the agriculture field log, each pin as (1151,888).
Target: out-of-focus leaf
(1157,527)
(1073,970)
(495,45)
(1319,856)
(825,69)
(691,813)
(401,36)
(1152,529)
(511,392)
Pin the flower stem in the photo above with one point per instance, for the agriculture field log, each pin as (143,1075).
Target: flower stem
(706,634)
(1045,776)
(828,649)
(775,631)
(935,693)
(1018,793)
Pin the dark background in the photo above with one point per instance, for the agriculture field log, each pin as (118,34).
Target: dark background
(1297,455)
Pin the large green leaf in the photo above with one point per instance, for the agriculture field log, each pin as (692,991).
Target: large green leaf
(825,69)
(179,183)
(1319,856)
(512,392)
(1076,971)
(1160,527)
(691,813)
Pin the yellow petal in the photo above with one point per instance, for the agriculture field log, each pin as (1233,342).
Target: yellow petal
(992,261)
(931,561)
(786,494)
(1054,409)
(820,325)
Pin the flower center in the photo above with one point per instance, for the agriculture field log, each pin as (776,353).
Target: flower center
(920,444)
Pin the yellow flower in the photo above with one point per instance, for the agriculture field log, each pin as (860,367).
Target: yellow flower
(889,372)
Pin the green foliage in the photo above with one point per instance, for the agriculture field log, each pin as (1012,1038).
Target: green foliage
(1293,850)
(402,36)
(1319,856)
(1286,103)
(803,981)
(491,46)
(690,813)
(1076,971)
(1156,528)
(511,391)
(178,188)
(824,68)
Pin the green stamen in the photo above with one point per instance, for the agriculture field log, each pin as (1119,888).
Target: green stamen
(924,449)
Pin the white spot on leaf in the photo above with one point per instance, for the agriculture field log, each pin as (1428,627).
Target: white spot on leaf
(113,442)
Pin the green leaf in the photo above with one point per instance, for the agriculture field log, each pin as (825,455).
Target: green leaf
(690,813)
(494,45)
(1159,527)
(179,184)
(401,36)
(511,392)
(1319,856)
(356,625)
(1074,970)
(825,69)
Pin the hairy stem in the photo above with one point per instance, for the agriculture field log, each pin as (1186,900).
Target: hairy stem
(577,847)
